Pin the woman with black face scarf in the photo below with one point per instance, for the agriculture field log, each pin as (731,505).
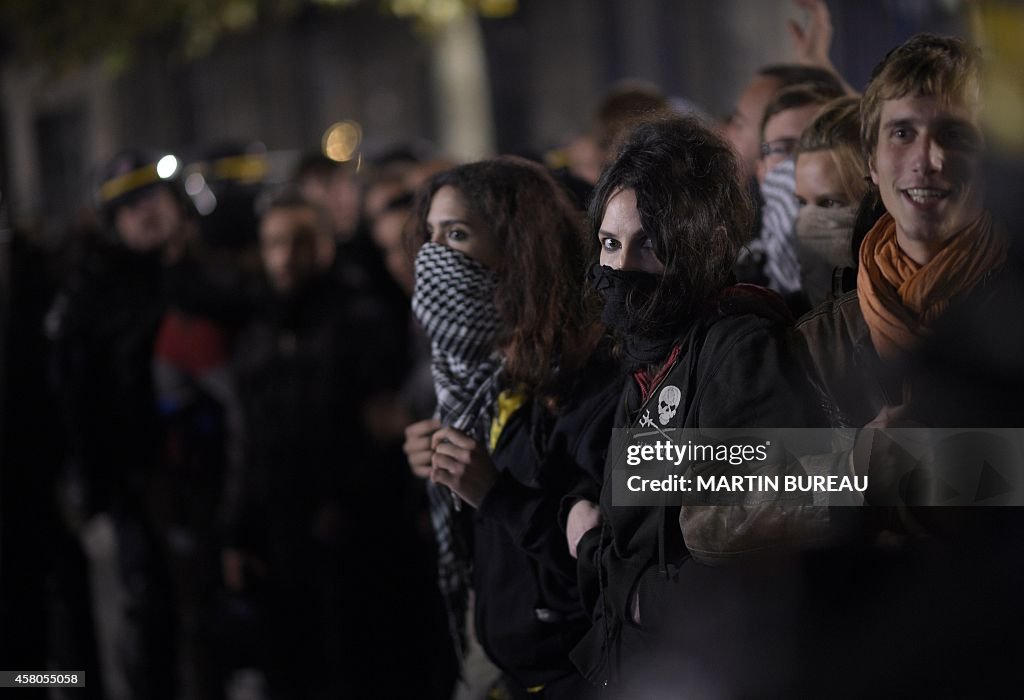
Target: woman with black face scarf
(526,395)
(670,216)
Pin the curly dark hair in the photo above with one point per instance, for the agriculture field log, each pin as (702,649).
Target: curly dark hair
(691,204)
(540,280)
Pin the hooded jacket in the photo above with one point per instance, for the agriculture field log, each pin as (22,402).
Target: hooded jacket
(732,369)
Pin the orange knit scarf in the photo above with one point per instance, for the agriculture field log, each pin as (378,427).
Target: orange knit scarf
(901,299)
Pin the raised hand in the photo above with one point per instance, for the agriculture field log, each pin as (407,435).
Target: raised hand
(812,41)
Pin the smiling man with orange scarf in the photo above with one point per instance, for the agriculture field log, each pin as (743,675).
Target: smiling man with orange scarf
(932,336)
(909,346)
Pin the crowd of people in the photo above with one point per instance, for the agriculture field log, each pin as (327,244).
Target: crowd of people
(353,436)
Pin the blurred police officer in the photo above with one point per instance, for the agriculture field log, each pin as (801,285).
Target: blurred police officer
(105,330)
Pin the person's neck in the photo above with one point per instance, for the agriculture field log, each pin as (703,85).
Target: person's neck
(921,252)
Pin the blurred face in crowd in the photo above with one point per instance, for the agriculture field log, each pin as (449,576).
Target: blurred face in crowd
(289,245)
(818,182)
(378,195)
(624,245)
(389,235)
(926,168)
(343,204)
(743,129)
(781,133)
(451,222)
(314,189)
(585,159)
(151,221)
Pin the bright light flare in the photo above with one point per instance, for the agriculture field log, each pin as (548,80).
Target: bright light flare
(166,167)
(341,140)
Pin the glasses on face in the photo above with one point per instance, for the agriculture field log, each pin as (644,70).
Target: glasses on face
(778,147)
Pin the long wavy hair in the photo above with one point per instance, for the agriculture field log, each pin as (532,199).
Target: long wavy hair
(539,296)
(693,207)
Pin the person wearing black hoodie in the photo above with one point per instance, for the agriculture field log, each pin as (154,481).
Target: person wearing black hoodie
(669,216)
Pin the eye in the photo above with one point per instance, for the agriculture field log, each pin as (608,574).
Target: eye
(800,201)
(829,203)
(457,235)
(962,138)
(902,134)
(609,244)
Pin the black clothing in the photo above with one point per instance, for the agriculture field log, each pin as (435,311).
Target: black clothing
(732,370)
(305,368)
(528,614)
(153,459)
(45,602)
(950,592)
(322,506)
(105,327)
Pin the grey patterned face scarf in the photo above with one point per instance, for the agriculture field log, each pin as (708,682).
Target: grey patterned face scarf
(454,301)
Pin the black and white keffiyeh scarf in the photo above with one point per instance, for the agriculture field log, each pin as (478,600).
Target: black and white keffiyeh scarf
(454,301)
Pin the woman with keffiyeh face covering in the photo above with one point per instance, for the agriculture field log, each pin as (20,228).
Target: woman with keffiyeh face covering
(526,393)
(668,217)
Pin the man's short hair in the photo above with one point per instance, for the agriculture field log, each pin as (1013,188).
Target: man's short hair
(925,65)
(796,96)
(290,197)
(789,74)
(624,105)
(313,166)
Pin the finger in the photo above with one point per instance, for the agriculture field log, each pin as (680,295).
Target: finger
(453,436)
(460,454)
(421,444)
(459,438)
(422,470)
(819,11)
(437,437)
(455,468)
(420,458)
(440,476)
(422,429)
(796,32)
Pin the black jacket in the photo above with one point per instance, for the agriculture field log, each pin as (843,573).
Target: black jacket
(305,367)
(528,614)
(105,325)
(733,370)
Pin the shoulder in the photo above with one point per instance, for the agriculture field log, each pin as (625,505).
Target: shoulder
(593,387)
(747,375)
(830,333)
(840,315)
(736,336)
